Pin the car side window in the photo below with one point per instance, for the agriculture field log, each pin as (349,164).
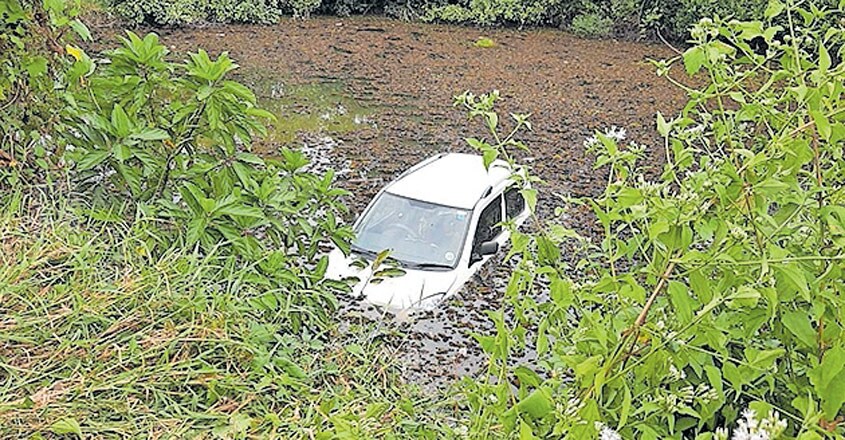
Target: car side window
(488,222)
(514,202)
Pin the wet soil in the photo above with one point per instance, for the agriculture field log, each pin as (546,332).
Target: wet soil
(373,96)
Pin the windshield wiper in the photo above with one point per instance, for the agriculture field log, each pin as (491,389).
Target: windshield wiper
(362,251)
(431,266)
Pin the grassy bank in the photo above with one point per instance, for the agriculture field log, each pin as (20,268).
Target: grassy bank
(100,338)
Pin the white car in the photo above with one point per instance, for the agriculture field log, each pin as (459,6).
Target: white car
(441,221)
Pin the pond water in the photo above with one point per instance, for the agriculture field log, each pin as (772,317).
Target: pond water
(372,96)
(322,106)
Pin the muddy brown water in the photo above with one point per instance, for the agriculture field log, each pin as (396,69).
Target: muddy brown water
(372,96)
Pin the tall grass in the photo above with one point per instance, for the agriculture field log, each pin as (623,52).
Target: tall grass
(100,338)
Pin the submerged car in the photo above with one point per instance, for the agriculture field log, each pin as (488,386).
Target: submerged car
(441,220)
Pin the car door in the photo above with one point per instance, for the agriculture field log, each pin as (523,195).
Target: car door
(487,214)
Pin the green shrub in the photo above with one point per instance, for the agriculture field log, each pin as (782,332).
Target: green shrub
(679,16)
(167,12)
(176,12)
(490,12)
(32,63)
(303,8)
(249,11)
(174,139)
(713,296)
(674,19)
(589,18)
(591,25)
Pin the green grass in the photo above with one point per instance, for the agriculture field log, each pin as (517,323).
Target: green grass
(96,332)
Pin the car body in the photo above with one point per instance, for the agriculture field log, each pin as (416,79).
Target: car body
(442,220)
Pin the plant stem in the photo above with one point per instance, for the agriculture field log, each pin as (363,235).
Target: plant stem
(663,278)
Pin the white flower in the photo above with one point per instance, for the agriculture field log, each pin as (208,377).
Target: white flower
(749,428)
(590,142)
(704,28)
(695,130)
(573,406)
(616,133)
(607,433)
(675,374)
(706,393)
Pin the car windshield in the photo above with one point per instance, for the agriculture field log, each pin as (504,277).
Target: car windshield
(417,233)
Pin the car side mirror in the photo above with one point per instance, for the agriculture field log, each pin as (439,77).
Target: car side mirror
(482,250)
(488,248)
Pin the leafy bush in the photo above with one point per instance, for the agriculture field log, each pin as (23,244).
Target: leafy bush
(714,296)
(304,8)
(164,12)
(176,12)
(250,11)
(591,18)
(174,138)
(31,64)
(591,25)
(677,17)
(588,18)
(489,12)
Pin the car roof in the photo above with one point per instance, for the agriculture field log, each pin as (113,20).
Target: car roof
(454,179)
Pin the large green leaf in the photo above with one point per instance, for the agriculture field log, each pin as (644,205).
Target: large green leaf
(694,58)
(120,121)
(537,404)
(774,8)
(829,381)
(91,159)
(798,323)
(66,426)
(683,303)
(832,364)
(792,276)
(151,134)
(239,209)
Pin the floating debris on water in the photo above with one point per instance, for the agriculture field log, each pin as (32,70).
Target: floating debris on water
(320,153)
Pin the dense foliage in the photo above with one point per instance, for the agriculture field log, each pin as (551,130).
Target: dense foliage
(591,18)
(156,277)
(30,51)
(174,139)
(159,279)
(714,295)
